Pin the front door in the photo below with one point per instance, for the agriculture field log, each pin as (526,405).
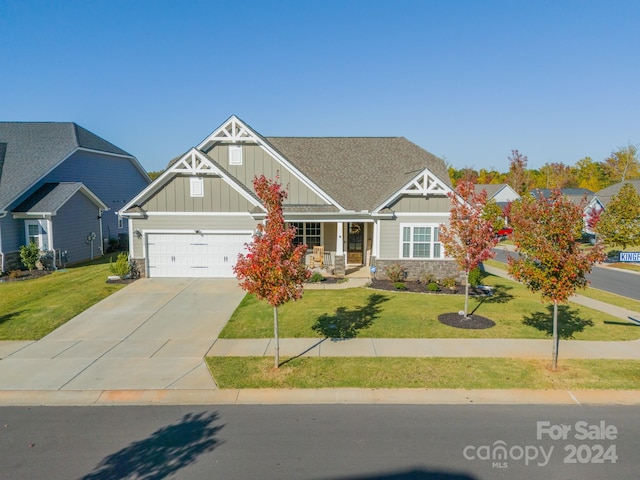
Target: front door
(355,243)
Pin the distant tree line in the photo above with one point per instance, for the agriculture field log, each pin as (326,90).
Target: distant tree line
(621,165)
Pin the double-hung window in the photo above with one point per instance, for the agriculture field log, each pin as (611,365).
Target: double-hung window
(36,232)
(308,233)
(421,241)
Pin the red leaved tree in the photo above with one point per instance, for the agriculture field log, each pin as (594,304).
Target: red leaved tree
(546,233)
(469,238)
(273,269)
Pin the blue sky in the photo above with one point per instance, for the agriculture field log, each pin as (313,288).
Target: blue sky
(467,80)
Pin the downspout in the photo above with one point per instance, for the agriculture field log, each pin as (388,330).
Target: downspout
(2,215)
(101,234)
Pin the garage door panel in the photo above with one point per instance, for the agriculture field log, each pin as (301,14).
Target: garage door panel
(189,255)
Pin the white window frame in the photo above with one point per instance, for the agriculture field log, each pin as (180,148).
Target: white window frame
(235,154)
(196,187)
(43,233)
(434,232)
(302,232)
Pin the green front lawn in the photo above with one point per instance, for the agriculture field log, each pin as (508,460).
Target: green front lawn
(470,373)
(31,309)
(381,314)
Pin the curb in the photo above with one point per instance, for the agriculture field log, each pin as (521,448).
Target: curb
(329,396)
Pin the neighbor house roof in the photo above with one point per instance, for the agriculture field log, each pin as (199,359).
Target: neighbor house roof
(575,195)
(360,173)
(31,149)
(51,196)
(605,194)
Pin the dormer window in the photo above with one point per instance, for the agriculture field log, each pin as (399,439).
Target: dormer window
(235,154)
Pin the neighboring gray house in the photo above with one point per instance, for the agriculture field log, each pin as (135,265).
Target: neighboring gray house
(604,196)
(501,193)
(60,187)
(367,201)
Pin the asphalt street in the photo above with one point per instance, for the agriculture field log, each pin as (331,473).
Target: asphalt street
(320,442)
(610,280)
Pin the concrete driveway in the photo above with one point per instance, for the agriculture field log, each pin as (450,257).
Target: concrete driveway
(152,334)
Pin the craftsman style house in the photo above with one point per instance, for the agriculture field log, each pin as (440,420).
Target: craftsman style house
(60,186)
(361,202)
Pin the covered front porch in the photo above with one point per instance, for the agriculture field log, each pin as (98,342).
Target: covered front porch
(338,248)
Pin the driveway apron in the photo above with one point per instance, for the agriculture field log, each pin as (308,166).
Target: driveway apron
(152,334)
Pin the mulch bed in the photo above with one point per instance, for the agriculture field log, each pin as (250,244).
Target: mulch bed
(473,322)
(416,287)
(21,275)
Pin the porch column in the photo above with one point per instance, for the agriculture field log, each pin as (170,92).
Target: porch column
(339,241)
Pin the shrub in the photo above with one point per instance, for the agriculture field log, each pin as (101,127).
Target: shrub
(475,277)
(613,254)
(316,277)
(29,255)
(122,267)
(399,285)
(395,272)
(449,282)
(14,274)
(426,278)
(433,287)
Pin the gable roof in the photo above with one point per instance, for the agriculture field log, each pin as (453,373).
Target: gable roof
(605,194)
(51,196)
(492,189)
(360,173)
(34,148)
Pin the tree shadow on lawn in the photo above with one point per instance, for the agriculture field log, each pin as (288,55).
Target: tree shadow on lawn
(9,316)
(569,322)
(499,294)
(165,452)
(346,323)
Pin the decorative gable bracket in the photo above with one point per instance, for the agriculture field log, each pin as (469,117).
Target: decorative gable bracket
(193,163)
(425,184)
(232,131)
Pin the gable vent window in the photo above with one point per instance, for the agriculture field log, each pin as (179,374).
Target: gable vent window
(197,187)
(235,155)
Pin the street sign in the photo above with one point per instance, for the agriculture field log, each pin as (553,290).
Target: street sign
(630,256)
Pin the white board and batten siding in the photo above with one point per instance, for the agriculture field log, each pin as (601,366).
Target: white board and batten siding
(194,255)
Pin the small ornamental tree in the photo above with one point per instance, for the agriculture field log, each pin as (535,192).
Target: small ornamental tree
(469,238)
(546,233)
(273,269)
(619,224)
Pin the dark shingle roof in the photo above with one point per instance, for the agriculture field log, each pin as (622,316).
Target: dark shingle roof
(49,198)
(360,173)
(34,148)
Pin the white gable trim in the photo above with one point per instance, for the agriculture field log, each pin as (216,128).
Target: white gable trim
(235,130)
(424,184)
(231,131)
(191,163)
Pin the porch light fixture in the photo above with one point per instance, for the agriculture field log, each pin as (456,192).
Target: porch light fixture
(138,233)
(198,232)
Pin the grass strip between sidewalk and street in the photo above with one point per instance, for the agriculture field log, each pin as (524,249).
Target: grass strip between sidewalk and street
(386,372)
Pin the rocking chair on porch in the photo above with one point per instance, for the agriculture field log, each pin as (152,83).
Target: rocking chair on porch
(317,257)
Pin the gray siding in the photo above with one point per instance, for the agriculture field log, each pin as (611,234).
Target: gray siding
(74,222)
(114,180)
(390,233)
(255,162)
(188,222)
(420,204)
(175,196)
(12,234)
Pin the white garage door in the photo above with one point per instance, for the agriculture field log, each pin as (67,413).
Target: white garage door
(192,255)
